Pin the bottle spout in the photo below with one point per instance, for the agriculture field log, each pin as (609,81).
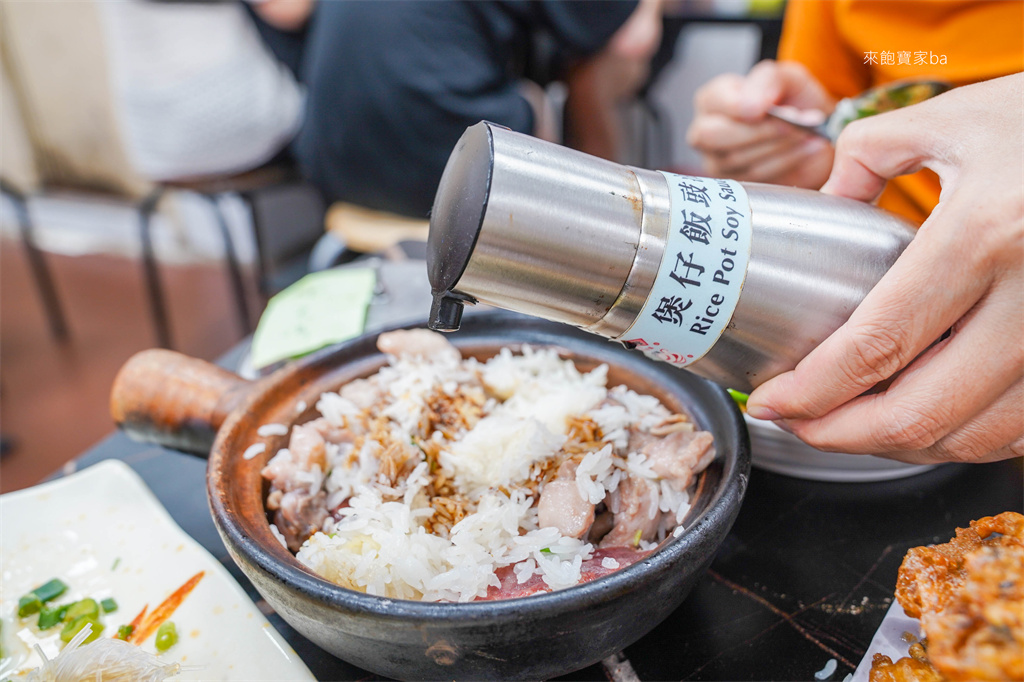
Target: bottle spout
(445,312)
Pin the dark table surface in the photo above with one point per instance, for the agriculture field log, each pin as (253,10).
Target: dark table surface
(806,574)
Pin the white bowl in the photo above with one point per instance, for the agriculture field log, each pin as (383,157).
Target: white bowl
(781,452)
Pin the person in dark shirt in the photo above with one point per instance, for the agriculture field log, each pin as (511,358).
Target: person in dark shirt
(392,85)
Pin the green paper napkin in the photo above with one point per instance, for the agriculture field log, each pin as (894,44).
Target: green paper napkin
(318,310)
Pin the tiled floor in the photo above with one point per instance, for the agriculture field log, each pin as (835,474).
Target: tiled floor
(53,396)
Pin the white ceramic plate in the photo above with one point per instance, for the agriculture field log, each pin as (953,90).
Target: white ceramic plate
(103,533)
(783,453)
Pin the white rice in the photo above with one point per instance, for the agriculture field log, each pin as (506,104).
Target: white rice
(335,408)
(636,465)
(272,430)
(254,450)
(380,543)
(596,475)
(279,536)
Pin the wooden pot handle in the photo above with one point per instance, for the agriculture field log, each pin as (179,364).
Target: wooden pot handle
(170,399)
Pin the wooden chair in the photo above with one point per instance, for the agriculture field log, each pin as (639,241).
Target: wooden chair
(55,72)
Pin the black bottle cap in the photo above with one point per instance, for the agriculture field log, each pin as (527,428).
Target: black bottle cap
(455,221)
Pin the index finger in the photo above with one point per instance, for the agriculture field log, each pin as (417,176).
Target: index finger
(872,150)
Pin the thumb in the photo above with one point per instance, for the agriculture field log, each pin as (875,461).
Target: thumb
(876,149)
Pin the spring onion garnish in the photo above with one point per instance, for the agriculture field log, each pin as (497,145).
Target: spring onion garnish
(124,632)
(51,590)
(51,615)
(87,608)
(740,398)
(29,604)
(72,628)
(34,600)
(109,605)
(166,636)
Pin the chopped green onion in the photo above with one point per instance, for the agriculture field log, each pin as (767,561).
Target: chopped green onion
(29,604)
(34,600)
(51,590)
(124,632)
(108,605)
(740,398)
(545,550)
(116,562)
(87,608)
(72,628)
(166,636)
(51,615)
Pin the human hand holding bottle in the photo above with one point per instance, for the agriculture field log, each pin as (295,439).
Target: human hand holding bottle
(962,398)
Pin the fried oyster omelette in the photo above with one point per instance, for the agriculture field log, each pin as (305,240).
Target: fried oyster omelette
(969,596)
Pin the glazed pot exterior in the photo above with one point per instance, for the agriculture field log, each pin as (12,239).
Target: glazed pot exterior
(534,637)
(518,639)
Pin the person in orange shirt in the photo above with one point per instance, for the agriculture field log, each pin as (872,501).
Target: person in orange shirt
(960,398)
(831,49)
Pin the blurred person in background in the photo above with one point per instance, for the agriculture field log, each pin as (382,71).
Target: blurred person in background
(600,84)
(961,398)
(832,50)
(197,91)
(393,85)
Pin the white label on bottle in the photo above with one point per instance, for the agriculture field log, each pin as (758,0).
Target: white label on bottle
(701,273)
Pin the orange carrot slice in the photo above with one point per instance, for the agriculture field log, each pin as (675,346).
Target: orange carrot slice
(166,609)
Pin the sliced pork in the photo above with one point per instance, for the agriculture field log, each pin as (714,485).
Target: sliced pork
(421,343)
(561,506)
(638,516)
(680,456)
(299,515)
(362,393)
(296,475)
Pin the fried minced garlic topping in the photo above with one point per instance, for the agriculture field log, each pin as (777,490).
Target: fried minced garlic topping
(584,436)
(969,596)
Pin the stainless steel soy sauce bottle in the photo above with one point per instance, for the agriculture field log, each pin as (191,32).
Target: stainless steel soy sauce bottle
(736,282)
